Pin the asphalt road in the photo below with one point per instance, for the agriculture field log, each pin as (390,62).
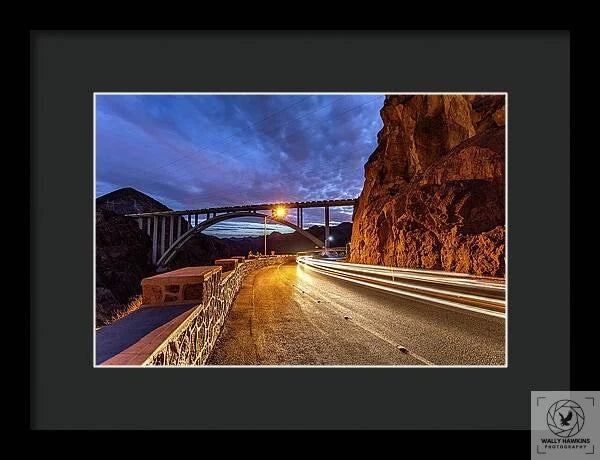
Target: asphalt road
(287,315)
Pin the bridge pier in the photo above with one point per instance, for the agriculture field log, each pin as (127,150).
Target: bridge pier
(326,227)
(163,234)
(155,240)
(149,226)
(171,229)
(179,219)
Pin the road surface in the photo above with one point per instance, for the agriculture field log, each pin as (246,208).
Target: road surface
(288,315)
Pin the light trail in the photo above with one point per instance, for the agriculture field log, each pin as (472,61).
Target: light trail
(355,273)
(493,285)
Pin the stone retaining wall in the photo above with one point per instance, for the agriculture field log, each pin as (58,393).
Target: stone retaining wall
(191,342)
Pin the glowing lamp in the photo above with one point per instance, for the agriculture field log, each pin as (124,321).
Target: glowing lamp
(280,212)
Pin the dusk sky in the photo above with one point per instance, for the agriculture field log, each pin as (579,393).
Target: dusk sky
(195,151)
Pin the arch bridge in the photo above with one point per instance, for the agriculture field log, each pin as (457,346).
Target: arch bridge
(171,237)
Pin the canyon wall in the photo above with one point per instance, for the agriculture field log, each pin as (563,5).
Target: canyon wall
(433,196)
(122,260)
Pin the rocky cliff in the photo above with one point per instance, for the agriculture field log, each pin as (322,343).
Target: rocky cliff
(129,201)
(122,260)
(433,195)
(123,251)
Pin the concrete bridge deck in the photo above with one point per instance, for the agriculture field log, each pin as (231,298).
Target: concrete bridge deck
(253,207)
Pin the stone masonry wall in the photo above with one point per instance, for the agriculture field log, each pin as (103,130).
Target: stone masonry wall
(192,342)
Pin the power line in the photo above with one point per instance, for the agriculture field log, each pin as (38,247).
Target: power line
(147,170)
(237,157)
(246,128)
(214,193)
(205,146)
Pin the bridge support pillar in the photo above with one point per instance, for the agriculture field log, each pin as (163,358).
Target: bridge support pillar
(189,221)
(155,240)
(149,226)
(171,229)
(179,218)
(326,227)
(163,234)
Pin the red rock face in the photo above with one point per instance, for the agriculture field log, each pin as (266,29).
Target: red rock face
(433,196)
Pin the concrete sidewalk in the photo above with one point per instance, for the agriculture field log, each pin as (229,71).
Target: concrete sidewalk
(116,337)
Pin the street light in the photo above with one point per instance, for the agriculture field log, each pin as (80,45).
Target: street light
(280,212)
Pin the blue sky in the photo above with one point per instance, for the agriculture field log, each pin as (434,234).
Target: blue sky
(194,151)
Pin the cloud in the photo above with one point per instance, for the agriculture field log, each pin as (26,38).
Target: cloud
(192,151)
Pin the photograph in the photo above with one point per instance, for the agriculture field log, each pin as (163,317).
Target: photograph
(300,229)
(312,229)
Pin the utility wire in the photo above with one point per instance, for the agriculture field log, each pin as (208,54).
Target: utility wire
(277,128)
(215,193)
(206,146)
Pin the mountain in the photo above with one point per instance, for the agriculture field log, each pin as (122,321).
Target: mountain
(122,259)
(433,195)
(129,201)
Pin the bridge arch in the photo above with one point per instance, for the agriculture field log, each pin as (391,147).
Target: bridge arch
(183,239)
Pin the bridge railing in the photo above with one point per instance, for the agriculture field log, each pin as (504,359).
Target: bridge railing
(251,207)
